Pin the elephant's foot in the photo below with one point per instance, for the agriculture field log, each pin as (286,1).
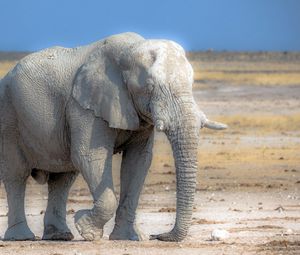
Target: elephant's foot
(171,236)
(51,232)
(19,232)
(87,226)
(126,231)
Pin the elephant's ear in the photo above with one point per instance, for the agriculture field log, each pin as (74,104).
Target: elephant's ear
(99,87)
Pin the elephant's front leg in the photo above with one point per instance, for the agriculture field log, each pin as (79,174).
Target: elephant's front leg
(135,165)
(92,143)
(96,170)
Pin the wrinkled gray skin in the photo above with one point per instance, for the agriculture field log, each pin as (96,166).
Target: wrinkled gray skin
(67,111)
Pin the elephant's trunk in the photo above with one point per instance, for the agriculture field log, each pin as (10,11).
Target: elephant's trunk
(184,144)
(183,134)
(184,141)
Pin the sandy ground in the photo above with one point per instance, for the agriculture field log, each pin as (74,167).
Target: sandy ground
(248,182)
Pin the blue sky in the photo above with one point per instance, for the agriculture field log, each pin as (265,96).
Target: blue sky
(196,24)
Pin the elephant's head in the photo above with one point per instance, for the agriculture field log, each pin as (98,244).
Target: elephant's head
(150,80)
(160,78)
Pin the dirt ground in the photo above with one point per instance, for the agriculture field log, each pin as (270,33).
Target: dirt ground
(248,178)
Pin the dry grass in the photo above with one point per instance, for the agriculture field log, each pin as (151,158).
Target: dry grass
(260,124)
(235,66)
(223,160)
(253,78)
(247,72)
(5,66)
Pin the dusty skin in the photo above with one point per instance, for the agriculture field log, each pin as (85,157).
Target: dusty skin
(248,177)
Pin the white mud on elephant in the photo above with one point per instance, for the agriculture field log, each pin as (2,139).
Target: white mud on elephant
(68,111)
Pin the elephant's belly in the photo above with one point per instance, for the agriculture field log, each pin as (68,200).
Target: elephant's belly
(49,153)
(50,164)
(55,166)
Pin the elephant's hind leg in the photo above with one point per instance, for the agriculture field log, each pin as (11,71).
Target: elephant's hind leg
(17,224)
(14,179)
(14,173)
(55,226)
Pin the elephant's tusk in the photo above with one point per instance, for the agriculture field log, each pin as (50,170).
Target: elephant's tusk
(214,125)
(160,125)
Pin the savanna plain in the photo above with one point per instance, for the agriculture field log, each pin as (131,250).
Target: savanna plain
(248,178)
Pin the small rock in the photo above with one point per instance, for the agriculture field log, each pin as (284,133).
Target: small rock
(71,211)
(280,209)
(289,231)
(219,234)
(167,209)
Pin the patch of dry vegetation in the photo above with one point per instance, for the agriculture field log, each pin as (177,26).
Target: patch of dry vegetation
(253,78)
(5,66)
(246,68)
(260,124)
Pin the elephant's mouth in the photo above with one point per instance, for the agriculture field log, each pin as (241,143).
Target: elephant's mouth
(144,110)
(147,118)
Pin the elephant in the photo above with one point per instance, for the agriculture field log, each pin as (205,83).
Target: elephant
(65,111)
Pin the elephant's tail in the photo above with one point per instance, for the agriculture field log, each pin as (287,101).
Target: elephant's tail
(1,135)
(3,85)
